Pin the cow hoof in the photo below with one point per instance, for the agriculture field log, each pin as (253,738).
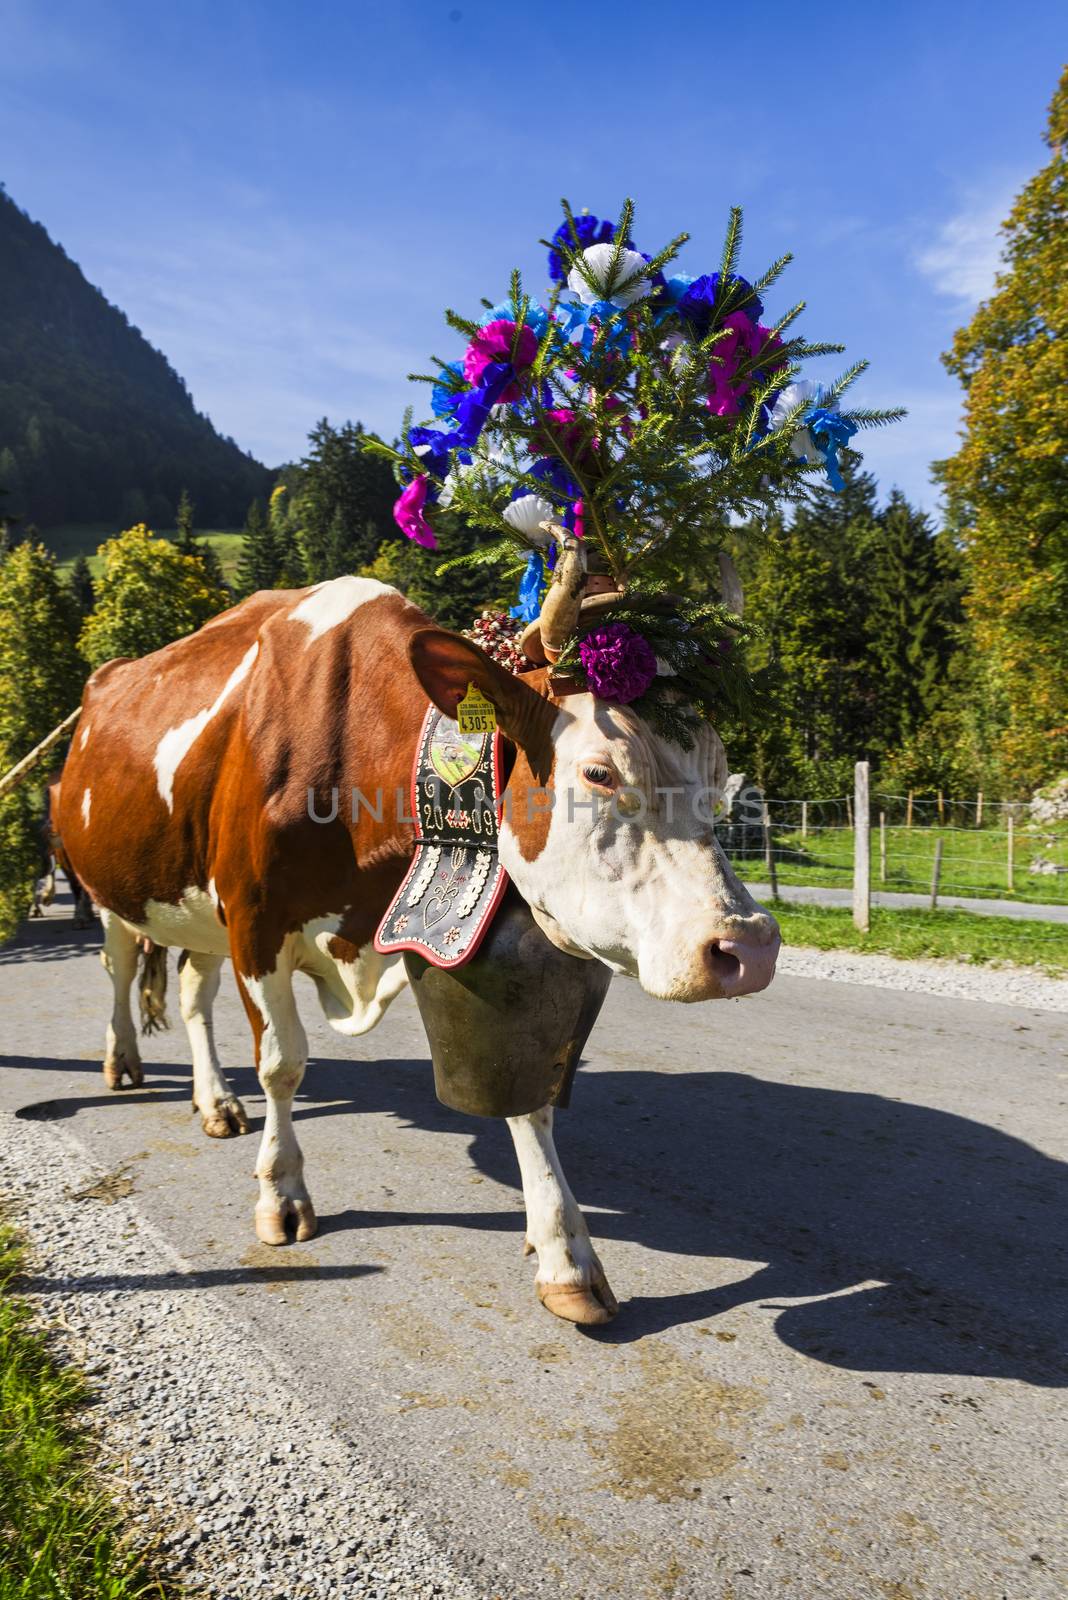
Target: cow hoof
(225,1118)
(271,1223)
(589,1304)
(118,1067)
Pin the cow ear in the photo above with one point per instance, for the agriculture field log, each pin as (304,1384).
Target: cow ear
(447,665)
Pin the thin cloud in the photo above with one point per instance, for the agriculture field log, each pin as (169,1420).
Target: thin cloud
(963,259)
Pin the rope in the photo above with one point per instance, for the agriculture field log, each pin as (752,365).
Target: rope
(26,765)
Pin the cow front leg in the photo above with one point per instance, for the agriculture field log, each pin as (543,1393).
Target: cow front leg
(119,956)
(221,1112)
(570,1281)
(281,1054)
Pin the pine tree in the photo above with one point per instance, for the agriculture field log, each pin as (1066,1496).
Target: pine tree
(201,549)
(81,589)
(341,501)
(41,675)
(260,563)
(148,594)
(186,541)
(1007,485)
(912,611)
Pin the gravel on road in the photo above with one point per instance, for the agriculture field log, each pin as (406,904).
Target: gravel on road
(956,980)
(213,1458)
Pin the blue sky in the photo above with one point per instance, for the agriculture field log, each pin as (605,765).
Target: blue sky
(283,197)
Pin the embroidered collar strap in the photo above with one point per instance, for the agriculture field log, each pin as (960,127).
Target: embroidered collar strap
(455,881)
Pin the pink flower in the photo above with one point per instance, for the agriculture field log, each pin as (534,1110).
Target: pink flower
(493,345)
(726,389)
(408,513)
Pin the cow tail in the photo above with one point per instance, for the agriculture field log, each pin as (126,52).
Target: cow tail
(152,987)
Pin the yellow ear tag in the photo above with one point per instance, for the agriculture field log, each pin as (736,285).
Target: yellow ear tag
(475,714)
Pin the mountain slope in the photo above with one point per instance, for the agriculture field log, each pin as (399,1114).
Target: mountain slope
(95,425)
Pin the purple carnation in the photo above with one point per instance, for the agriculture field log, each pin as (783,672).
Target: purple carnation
(619,664)
(590,230)
(703,297)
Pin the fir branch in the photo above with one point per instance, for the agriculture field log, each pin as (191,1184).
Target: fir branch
(731,245)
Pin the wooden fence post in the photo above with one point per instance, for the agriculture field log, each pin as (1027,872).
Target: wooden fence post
(1011,874)
(861,847)
(908,811)
(979,809)
(941,807)
(882,846)
(804,819)
(769,854)
(936,873)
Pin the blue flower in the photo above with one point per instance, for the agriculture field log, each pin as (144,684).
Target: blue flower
(433,447)
(444,395)
(531,590)
(705,295)
(590,230)
(829,430)
(536,319)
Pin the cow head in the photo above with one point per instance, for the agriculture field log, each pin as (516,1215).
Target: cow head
(607,831)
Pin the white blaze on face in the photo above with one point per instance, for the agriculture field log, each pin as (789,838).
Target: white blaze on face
(631,871)
(332,602)
(177,742)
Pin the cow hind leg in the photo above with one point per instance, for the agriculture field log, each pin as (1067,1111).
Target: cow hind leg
(221,1112)
(570,1281)
(281,1055)
(119,955)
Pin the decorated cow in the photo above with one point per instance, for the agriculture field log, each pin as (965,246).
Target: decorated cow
(323,781)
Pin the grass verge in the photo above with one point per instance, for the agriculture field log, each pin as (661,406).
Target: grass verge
(956,935)
(62,1538)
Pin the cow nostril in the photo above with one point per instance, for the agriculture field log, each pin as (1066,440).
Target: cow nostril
(722,963)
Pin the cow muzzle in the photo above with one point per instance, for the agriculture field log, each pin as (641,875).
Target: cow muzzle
(731,957)
(740,966)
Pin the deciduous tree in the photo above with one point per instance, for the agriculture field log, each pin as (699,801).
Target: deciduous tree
(1007,485)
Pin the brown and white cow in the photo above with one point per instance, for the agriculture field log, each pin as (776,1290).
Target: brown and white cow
(185,810)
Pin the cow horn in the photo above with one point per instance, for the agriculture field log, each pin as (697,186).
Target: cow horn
(560,608)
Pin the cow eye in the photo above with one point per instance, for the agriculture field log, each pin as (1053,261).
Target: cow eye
(599,775)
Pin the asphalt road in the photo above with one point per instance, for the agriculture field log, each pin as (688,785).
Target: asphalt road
(834,1216)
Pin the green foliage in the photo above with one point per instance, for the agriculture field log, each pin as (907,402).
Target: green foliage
(95,425)
(854,610)
(201,549)
(80,587)
(41,676)
(454,597)
(61,1536)
(338,505)
(148,594)
(916,935)
(1007,486)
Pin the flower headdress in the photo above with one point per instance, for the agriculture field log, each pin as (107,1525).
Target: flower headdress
(628,421)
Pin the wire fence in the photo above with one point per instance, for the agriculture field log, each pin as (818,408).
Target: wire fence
(920,845)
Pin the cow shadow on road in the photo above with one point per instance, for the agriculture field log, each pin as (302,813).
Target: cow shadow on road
(940,1240)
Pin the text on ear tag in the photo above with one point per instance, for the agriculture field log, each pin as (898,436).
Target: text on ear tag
(475,714)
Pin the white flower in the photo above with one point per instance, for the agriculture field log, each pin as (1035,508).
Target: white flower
(526,514)
(677,348)
(597,260)
(450,484)
(802,392)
